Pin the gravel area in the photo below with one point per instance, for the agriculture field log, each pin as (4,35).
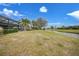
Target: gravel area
(69,34)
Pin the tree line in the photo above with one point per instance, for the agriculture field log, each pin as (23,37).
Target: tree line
(66,27)
(69,27)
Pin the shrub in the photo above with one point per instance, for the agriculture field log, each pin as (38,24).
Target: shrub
(6,31)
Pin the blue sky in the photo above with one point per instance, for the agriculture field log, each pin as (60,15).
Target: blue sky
(56,13)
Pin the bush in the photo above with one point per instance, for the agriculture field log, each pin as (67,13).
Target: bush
(6,31)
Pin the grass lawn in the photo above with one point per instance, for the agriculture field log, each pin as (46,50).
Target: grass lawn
(38,42)
(69,31)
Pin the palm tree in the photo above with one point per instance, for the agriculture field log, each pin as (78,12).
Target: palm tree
(25,23)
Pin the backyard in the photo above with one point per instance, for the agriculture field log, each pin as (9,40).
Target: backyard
(38,42)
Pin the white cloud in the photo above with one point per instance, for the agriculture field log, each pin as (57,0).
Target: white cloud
(9,4)
(74,14)
(16,13)
(5,4)
(43,9)
(57,24)
(9,12)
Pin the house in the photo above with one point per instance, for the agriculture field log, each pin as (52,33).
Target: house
(7,23)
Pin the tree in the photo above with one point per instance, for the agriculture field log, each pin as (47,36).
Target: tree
(25,23)
(34,25)
(52,27)
(41,22)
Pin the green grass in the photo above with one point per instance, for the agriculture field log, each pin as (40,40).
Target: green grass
(38,42)
(69,31)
